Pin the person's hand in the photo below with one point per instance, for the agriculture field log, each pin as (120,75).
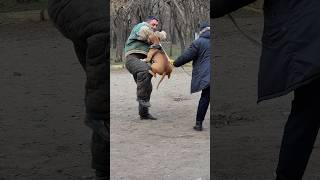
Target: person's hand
(171,61)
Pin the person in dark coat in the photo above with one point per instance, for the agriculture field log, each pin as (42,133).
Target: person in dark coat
(290,61)
(86,24)
(199,53)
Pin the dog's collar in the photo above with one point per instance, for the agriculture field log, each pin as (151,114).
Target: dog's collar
(156,46)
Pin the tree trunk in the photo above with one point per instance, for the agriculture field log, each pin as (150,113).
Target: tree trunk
(181,40)
(171,31)
(119,50)
(119,47)
(114,40)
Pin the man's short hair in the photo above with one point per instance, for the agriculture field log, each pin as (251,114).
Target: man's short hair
(150,18)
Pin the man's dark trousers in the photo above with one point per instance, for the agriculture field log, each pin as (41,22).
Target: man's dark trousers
(300,132)
(141,75)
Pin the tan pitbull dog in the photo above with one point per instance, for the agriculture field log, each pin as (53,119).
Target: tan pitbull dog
(160,59)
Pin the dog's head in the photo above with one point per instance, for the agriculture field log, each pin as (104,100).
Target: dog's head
(162,35)
(153,39)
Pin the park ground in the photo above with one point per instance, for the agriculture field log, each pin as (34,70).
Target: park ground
(167,148)
(42,111)
(246,135)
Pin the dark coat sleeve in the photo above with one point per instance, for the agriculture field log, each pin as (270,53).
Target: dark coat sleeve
(220,8)
(188,55)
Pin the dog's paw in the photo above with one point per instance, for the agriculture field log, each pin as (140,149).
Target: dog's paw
(162,35)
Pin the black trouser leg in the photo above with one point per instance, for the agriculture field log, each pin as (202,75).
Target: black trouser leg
(92,53)
(300,132)
(143,111)
(96,100)
(100,155)
(144,86)
(203,104)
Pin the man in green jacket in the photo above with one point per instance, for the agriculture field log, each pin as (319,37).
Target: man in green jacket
(136,49)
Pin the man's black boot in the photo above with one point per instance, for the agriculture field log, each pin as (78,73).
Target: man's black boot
(100,175)
(144,113)
(198,126)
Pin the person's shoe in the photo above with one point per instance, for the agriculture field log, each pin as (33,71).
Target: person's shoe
(101,178)
(101,175)
(148,116)
(144,113)
(198,126)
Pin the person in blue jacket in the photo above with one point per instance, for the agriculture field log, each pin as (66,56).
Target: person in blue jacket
(199,53)
(290,61)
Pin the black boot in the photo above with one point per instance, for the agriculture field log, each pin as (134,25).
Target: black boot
(198,126)
(144,113)
(101,175)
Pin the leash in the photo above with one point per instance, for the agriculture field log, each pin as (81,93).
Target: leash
(256,42)
(185,71)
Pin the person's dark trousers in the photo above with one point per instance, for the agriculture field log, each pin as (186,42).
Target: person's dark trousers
(141,75)
(86,24)
(203,104)
(300,132)
(93,58)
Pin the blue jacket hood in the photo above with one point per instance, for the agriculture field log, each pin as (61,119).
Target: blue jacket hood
(205,34)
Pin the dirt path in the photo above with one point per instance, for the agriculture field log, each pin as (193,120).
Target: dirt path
(41,117)
(165,149)
(41,108)
(246,135)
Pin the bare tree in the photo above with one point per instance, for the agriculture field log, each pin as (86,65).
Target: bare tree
(178,17)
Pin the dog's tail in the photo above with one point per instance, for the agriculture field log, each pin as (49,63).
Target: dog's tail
(163,75)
